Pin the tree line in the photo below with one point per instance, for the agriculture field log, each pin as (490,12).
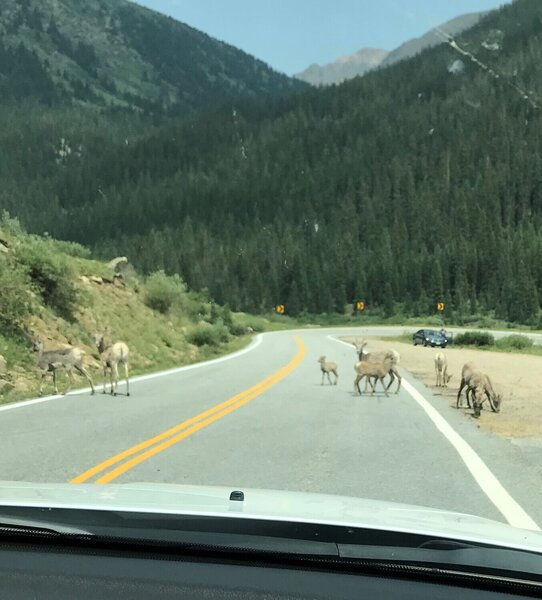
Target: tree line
(415,183)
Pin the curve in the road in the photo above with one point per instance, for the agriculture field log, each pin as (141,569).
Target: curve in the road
(174,435)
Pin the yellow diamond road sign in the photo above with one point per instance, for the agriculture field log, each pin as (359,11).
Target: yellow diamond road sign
(279,309)
(440,306)
(360,305)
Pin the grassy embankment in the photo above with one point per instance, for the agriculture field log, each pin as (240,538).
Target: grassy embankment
(55,291)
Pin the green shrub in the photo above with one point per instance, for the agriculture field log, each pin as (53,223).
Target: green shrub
(237,329)
(256,326)
(515,342)
(487,323)
(51,276)
(163,291)
(209,335)
(70,248)
(14,296)
(474,338)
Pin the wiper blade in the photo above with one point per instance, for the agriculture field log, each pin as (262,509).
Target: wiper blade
(33,526)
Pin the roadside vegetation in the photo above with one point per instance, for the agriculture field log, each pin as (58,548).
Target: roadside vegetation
(54,290)
(482,340)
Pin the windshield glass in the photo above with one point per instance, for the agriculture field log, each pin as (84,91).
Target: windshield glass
(226,228)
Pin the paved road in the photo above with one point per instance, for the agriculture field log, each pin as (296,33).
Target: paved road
(261,419)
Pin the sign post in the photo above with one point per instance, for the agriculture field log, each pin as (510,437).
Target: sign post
(440,306)
(280,309)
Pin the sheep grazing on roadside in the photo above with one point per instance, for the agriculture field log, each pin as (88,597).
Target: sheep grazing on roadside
(466,373)
(478,389)
(380,357)
(374,370)
(68,359)
(111,356)
(481,389)
(441,370)
(327,368)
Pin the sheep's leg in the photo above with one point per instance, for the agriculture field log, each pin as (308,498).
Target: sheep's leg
(336,376)
(391,373)
(323,375)
(381,379)
(115,378)
(399,381)
(127,379)
(104,391)
(470,394)
(459,401)
(356,385)
(70,380)
(84,373)
(43,376)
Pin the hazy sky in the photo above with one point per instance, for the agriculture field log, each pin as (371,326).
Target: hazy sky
(292,34)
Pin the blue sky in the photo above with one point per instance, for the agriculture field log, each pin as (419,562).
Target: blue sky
(291,34)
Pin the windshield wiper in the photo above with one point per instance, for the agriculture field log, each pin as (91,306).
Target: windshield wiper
(38,527)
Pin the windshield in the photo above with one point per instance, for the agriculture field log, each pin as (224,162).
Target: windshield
(226,228)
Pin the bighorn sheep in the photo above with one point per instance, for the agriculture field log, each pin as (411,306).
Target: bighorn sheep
(327,368)
(60,358)
(479,388)
(373,369)
(379,357)
(112,355)
(466,374)
(441,370)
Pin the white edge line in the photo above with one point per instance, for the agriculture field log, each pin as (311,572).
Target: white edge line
(252,346)
(489,484)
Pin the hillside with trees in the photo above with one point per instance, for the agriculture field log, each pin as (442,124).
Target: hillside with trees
(105,54)
(418,182)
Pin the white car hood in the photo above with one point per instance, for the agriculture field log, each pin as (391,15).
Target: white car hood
(271,505)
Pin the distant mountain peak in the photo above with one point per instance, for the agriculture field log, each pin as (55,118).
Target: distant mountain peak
(345,67)
(366,59)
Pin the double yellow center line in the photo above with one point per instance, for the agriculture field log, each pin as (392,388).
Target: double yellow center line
(153,446)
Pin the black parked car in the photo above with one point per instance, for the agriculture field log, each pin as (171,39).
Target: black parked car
(430,337)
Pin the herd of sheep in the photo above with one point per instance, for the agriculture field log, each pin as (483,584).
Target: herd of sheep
(70,359)
(371,366)
(374,366)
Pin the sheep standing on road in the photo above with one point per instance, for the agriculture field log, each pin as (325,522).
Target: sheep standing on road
(49,361)
(112,355)
(327,368)
(374,370)
(379,357)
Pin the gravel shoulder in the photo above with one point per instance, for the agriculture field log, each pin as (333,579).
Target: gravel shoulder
(518,377)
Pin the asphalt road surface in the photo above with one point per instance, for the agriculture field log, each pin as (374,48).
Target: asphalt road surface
(261,418)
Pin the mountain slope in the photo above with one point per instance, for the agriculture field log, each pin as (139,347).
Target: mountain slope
(346,67)
(414,183)
(359,63)
(116,53)
(432,37)
(52,290)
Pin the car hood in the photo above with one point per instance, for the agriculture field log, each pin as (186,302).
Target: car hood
(270,505)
